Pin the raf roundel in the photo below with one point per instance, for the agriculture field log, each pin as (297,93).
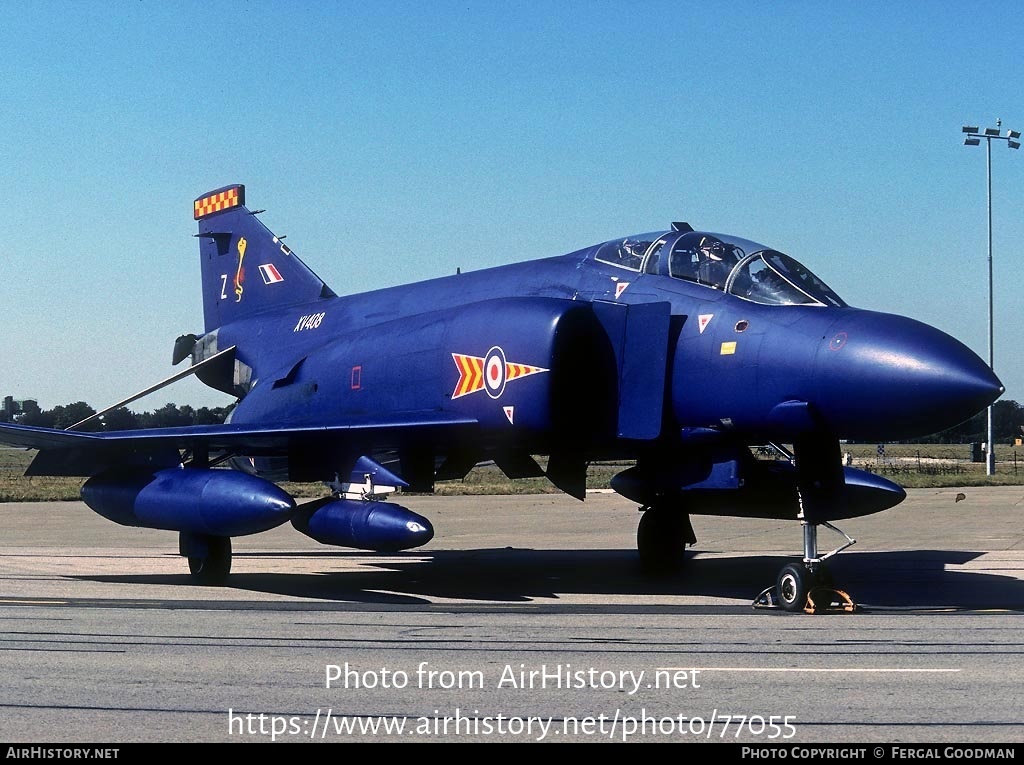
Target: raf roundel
(494,372)
(491,373)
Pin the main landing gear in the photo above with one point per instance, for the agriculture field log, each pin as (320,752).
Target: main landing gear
(661,538)
(209,558)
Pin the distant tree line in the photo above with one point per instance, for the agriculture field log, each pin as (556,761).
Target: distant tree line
(167,416)
(1007,424)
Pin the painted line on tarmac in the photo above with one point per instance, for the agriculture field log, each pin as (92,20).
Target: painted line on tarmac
(843,670)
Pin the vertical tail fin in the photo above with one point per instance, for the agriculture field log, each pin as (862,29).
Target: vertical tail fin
(245,268)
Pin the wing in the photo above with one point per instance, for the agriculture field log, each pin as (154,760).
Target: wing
(70,453)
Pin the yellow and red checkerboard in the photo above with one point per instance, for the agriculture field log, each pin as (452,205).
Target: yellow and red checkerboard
(221,200)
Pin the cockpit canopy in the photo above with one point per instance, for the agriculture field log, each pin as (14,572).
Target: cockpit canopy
(737,266)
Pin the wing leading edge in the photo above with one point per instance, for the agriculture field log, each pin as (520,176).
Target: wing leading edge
(70,453)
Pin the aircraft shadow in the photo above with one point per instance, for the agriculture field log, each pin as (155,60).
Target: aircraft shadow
(883,580)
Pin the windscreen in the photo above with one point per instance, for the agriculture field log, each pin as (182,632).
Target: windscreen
(771,278)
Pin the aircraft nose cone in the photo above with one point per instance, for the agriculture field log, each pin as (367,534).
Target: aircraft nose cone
(889,377)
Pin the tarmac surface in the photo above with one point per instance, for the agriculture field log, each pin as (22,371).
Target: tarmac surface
(525,619)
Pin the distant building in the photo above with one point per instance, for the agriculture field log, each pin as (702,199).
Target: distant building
(12,407)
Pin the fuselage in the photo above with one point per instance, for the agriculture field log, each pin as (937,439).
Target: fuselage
(738,365)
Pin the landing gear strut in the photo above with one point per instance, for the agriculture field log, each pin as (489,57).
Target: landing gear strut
(661,538)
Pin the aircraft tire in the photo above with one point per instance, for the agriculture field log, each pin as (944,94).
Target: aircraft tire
(213,569)
(661,540)
(792,586)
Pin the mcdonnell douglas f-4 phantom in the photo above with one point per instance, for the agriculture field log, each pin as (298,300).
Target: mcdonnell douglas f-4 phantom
(678,350)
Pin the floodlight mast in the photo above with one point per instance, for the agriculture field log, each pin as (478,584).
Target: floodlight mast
(973,138)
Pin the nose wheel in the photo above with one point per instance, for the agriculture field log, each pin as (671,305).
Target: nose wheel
(796,582)
(792,586)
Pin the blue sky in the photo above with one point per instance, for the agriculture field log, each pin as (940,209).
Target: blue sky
(394,141)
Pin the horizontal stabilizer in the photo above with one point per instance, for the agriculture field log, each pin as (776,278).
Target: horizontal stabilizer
(154,388)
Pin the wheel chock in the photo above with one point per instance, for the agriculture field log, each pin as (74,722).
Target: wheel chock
(767,599)
(819,600)
(829,600)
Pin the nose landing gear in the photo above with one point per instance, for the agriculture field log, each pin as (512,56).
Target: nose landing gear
(808,586)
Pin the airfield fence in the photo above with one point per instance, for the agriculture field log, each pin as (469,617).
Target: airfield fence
(924,459)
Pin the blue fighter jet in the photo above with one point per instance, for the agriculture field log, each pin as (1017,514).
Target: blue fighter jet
(676,351)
